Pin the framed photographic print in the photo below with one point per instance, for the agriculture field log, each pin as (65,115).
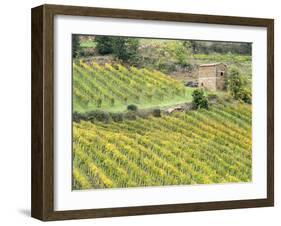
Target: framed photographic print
(141,112)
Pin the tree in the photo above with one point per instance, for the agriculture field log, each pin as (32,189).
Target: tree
(194,46)
(75,45)
(126,49)
(199,99)
(181,52)
(177,51)
(237,85)
(234,83)
(206,47)
(246,48)
(104,44)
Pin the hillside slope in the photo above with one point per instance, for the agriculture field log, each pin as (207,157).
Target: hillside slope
(112,88)
(197,147)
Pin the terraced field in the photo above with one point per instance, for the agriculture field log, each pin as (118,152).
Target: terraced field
(197,147)
(113,87)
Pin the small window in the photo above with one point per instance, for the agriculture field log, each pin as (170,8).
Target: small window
(221,73)
(202,84)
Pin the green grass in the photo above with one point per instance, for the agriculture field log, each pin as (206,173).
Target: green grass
(223,57)
(87,44)
(120,107)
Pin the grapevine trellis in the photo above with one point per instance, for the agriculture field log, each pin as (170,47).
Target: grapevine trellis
(197,147)
(109,85)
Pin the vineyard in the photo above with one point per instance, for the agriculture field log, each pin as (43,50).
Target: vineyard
(113,87)
(196,147)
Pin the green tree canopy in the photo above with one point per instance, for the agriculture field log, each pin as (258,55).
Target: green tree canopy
(75,45)
(124,49)
(238,86)
(199,99)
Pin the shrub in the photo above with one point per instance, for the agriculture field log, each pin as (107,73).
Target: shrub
(166,67)
(86,52)
(132,107)
(156,112)
(189,67)
(130,115)
(117,117)
(143,113)
(246,95)
(76,117)
(98,116)
(199,99)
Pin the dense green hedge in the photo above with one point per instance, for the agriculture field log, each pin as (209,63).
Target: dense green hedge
(106,117)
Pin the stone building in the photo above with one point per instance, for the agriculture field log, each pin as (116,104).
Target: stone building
(212,76)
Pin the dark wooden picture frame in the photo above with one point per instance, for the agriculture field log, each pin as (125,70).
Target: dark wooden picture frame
(42,203)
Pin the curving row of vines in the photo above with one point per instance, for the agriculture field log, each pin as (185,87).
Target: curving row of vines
(112,85)
(197,147)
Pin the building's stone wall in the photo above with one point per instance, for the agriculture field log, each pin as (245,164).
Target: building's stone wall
(206,71)
(212,77)
(208,83)
(221,76)
(220,83)
(220,68)
(207,77)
